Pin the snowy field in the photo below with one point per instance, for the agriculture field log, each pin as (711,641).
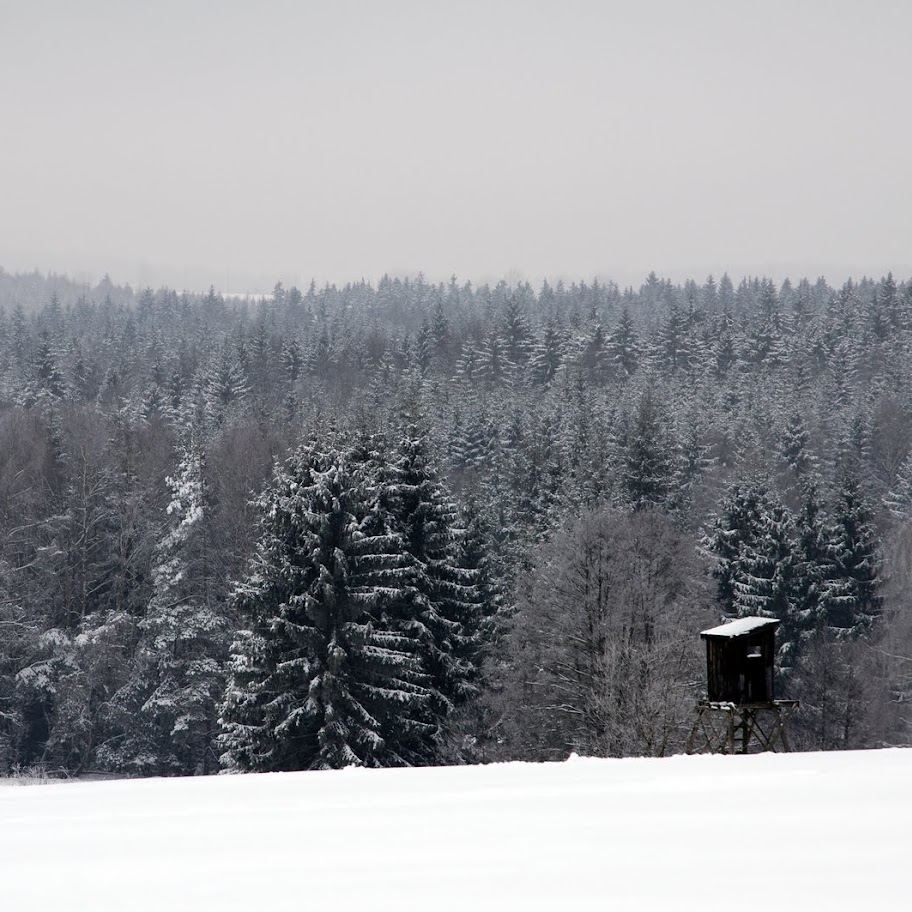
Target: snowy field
(800,831)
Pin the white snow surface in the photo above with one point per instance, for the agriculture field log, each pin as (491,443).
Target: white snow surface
(772,831)
(739,627)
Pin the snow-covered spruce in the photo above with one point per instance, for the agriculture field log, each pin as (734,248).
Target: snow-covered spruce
(355,649)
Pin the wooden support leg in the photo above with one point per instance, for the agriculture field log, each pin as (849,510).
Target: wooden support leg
(693,732)
(784,737)
(747,722)
(726,728)
(781,735)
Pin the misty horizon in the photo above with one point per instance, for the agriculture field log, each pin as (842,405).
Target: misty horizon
(226,146)
(198,281)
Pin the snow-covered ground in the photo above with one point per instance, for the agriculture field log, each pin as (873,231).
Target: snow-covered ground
(773,832)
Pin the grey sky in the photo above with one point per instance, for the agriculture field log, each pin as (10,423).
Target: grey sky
(239,142)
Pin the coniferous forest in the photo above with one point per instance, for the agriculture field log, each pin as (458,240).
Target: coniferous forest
(414,523)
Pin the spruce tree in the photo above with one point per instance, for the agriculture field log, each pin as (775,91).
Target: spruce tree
(516,335)
(854,599)
(318,679)
(794,445)
(813,572)
(731,533)
(765,567)
(649,471)
(167,709)
(768,564)
(899,498)
(595,356)
(725,349)
(223,385)
(446,608)
(624,345)
(48,376)
(547,355)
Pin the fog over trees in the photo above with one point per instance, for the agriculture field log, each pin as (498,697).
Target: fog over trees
(418,523)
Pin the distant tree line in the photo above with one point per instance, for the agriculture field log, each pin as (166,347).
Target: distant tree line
(417,523)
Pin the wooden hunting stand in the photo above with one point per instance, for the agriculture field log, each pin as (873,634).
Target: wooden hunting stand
(741,714)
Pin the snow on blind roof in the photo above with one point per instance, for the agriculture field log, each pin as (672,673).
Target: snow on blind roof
(739,627)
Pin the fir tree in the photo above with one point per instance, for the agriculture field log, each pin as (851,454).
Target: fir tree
(899,499)
(595,356)
(492,361)
(48,376)
(224,385)
(547,355)
(469,363)
(794,444)
(649,464)
(854,599)
(292,360)
(730,535)
(765,577)
(167,710)
(445,602)
(673,342)
(812,576)
(725,352)
(624,345)
(516,334)
(318,679)
(768,564)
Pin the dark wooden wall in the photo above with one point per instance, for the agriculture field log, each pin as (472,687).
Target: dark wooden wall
(740,669)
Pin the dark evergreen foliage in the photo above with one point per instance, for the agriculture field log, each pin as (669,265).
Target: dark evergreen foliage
(165,714)
(649,473)
(775,417)
(854,601)
(319,679)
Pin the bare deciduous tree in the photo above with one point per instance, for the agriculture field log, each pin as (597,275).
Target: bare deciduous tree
(605,654)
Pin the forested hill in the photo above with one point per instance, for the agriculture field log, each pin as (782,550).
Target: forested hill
(632,465)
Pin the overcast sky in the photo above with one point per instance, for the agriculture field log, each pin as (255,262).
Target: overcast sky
(240,142)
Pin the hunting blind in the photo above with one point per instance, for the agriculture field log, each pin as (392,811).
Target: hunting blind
(740,712)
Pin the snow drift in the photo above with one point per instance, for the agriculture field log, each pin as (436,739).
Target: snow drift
(799,831)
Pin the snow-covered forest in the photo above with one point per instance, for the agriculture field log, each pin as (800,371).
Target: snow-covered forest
(418,523)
